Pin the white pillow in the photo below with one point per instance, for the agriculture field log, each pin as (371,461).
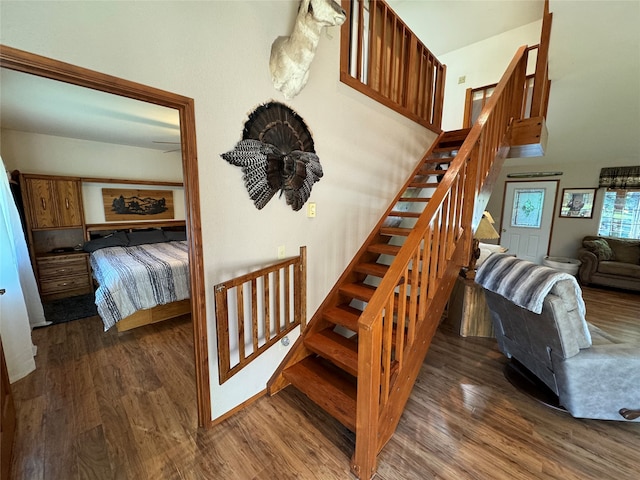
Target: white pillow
(487,249)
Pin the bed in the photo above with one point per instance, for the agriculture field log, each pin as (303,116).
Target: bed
(142,277)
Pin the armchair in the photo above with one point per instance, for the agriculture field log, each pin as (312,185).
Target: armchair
(538,317)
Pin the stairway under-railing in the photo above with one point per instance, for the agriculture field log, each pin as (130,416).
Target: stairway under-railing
(397,325)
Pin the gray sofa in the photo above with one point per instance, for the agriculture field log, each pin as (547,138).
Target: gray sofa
(592,374)
(611,262)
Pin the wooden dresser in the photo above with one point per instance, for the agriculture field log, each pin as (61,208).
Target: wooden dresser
(55,227)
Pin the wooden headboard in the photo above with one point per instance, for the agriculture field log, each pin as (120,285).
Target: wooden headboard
(96,230)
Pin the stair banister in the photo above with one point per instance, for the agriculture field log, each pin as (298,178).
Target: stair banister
(450,217)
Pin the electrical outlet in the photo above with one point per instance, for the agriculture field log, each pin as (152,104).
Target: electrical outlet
(462,79)
(311,210)
(281,252)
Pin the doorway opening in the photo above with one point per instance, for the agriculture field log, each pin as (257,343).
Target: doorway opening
(33,64)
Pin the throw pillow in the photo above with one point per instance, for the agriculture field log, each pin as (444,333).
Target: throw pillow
(117,239)
(625,251)
(600,247)
(145,236)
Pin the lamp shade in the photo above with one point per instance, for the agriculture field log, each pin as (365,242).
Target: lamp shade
(485,230)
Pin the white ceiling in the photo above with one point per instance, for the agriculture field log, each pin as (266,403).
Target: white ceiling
(447,25)
(37,105)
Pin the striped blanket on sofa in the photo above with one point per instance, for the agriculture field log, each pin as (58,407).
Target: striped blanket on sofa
(524,283)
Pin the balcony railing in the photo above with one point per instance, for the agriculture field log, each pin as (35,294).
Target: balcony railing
(383,59)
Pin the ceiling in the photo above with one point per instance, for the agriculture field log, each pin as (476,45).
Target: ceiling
(34,104)
(447,25)
(594,109)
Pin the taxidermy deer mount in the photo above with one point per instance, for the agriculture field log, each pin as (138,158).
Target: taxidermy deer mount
(291,56)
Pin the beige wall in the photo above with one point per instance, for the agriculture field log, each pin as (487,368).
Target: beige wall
(217,53)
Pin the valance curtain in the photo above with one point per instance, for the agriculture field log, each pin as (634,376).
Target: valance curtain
(620,177)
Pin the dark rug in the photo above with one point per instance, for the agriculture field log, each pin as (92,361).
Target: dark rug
(70,308)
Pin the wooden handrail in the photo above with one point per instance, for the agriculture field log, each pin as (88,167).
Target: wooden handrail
(281,292)
(396,326)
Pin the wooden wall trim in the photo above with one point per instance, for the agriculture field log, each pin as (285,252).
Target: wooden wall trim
(131,182)
(94,227)
(33,64)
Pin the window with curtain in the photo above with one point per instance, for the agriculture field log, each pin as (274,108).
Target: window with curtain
(620,215)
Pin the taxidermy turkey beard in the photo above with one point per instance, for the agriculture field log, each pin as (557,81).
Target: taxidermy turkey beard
(276,153)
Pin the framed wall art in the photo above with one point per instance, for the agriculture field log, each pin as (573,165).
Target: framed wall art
(132,204)
(577,202)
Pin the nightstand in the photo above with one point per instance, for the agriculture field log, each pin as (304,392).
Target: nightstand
(63,275)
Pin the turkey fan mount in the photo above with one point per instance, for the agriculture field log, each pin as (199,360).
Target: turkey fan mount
(276,153)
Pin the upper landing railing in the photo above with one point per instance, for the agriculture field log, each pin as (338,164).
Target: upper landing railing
(383,59)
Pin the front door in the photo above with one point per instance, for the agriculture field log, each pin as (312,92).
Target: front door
(527,218)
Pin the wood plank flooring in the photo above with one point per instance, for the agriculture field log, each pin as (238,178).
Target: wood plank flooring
(122,406)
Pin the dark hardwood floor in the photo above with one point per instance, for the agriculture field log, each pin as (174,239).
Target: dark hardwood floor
(122,406)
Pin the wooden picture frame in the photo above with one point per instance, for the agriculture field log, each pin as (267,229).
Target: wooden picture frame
(122,204)
(577,202)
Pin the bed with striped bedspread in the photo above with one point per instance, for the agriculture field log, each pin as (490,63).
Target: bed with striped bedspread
(139,277)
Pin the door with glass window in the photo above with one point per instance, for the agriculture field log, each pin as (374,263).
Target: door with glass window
(527,218)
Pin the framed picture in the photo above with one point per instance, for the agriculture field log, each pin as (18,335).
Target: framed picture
(577,202)
(132,204)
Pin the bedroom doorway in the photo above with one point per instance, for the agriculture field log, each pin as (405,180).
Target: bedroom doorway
(29,63)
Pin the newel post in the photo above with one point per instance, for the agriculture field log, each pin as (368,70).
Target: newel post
(363,464)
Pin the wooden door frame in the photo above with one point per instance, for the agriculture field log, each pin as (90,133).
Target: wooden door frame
(30,63)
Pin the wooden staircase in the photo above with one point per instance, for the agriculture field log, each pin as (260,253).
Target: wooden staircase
(362,350)
(328,373)
(325,365)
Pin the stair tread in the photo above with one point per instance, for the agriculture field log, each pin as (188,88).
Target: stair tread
(339,350)
(459,135)
(395,231)
(383,249)
(414,199)
(359,291)
(397,213)
(439,159)
(444,149)
(375,269)
(424,184)
(333,392)
(344,315)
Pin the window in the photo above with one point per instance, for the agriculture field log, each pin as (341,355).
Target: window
(620,216)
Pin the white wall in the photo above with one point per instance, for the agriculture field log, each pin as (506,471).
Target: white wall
(217,53)
(481,63)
